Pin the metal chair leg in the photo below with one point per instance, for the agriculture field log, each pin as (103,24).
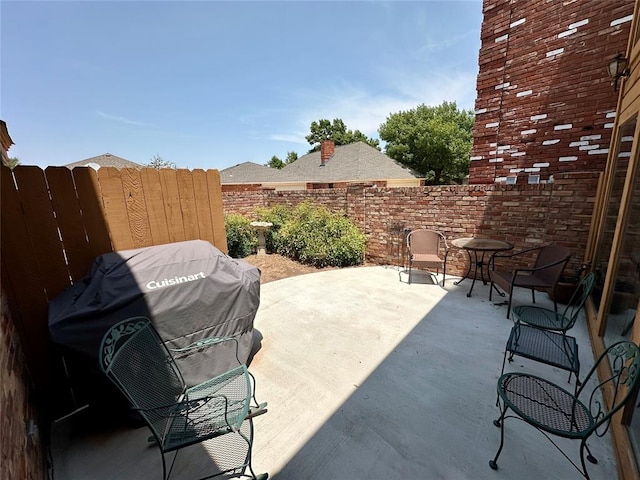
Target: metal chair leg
(584,472)
(164,467)
(509,305)
(171,466)
(260,476)
(499,423)
(444,271)
(504,362)
(590,456)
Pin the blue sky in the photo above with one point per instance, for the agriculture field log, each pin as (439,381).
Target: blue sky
(210,84)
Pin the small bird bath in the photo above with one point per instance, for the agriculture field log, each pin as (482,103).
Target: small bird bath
(261,227)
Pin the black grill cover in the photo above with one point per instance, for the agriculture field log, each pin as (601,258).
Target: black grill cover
(190,291)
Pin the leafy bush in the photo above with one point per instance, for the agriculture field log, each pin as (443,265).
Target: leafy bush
(242,239)
(307,233)
(278,216)
(315,236)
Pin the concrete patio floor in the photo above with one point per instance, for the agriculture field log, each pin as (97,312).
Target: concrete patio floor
(369,377)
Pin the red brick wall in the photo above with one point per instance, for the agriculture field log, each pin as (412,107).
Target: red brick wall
(22,454)
(545,103)
(526,215)
(246,203)
(243,202)
(241,187)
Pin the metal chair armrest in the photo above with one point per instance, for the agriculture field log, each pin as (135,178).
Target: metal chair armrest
(526,270)
(492,259)
(206,343)
(184,405)
(548,265)
(509,255)
(517,271)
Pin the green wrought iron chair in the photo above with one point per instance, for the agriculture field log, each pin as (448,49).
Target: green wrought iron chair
(547,319)
(540,333)
(555,412)
(134,357)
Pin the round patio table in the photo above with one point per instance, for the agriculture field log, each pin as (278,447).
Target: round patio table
(480,247)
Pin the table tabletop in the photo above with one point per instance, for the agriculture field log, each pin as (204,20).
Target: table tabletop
(481,244)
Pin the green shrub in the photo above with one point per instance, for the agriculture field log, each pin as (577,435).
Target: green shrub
(278,216)
(242,239)
(307,233)
(315,236)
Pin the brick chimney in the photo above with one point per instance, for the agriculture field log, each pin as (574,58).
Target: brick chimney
(327,148)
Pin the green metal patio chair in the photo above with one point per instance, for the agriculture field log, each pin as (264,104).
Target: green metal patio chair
(540,333)
(547,319)
(136,360)
(555,412)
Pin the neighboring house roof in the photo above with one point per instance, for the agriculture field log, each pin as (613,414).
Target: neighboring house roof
(5,139)
(5,142)
(249,172)
(105,160)
(354,162)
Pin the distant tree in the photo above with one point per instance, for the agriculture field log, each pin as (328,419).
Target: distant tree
(338,132)
(13,162)
(158,162)
(291,157)
(275,162)
(434,141)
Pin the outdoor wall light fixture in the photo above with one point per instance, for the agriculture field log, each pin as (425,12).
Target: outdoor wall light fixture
(618,67)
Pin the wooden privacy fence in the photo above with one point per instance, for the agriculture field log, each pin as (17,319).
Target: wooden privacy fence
(54,222)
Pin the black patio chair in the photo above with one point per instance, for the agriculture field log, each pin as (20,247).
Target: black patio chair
(542,276)
(136,360)
(555,412)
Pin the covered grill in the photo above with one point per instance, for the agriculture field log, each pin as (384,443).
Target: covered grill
(189,290)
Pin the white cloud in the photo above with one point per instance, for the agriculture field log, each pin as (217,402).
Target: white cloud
(292,138)
(365,110)
(116,118)
(439,44)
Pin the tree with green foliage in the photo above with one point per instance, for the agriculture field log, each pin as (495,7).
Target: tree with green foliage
(338,132)
(158,162)
(291,157)
(275,162)
(434,141)
(13,162)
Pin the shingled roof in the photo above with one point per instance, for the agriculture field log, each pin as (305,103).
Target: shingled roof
(5,142)
(249,172)
(354,162)
(105,160)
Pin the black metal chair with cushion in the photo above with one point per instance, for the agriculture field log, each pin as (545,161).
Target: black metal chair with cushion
(540,334)
(542,276)
(555,412)
(136,360)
